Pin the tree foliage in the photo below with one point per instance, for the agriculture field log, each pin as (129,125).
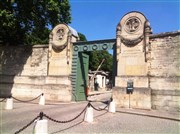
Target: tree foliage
(82,37)
(96,58)
(28,21)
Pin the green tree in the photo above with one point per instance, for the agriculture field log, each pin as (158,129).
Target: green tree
(82,37)
(28,21)
(96,58)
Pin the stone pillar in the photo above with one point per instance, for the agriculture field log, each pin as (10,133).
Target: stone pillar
(131,42)
(60,61)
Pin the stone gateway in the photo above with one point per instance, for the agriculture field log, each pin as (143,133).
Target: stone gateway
(132,42)
(146,66)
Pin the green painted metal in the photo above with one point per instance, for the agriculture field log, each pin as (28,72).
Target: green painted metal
(74,75)
(94,45)
(82,77)
(78,79)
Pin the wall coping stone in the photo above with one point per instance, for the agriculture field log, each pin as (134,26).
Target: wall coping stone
(161,35)
(31,46)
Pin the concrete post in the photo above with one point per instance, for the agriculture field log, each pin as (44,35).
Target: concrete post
(89,115)
(9,104)
(112,107)
(42,100)
(41,127)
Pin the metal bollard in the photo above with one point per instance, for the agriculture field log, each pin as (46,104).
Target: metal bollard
(89,114)
(112,107)
(9,104)
(41,127)
(42,100)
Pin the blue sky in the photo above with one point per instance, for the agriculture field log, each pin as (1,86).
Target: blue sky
(97,19)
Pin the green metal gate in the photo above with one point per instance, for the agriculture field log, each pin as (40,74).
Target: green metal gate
(80,64)
(81,77)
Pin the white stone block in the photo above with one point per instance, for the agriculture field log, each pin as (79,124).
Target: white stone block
(42,100)
(89,115)
(41,127)
(112,107)
(9,104)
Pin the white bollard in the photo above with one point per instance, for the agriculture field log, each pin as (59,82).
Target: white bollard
(89,115)
(112,107)
(42,100)
(9,104)
(41,127)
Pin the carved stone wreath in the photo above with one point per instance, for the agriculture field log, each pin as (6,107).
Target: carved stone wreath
(131,42)
(58,48)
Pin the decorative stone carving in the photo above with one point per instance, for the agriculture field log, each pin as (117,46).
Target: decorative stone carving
(131,42)
(59,37)
(60,34)
(60,50)
(131,29)
(132,24)
(118,41)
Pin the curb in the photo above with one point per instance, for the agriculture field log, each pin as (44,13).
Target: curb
(161,116)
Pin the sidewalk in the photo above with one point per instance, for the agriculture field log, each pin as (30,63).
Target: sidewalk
(99,92)
(151,113)
(105,95)
(99,95)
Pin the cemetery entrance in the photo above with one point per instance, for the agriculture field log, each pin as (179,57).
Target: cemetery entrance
(80,64)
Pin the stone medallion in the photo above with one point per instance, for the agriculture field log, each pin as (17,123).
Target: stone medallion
(132,25)
(60,37)
(131,28)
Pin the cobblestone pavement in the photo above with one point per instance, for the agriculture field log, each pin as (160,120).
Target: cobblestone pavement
(104,122)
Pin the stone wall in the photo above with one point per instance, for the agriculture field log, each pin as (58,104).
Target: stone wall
(23,60)
(23,73)
(164,71)
(161,86)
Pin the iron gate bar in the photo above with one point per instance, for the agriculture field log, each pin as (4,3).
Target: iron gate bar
(84,46)
(95,42)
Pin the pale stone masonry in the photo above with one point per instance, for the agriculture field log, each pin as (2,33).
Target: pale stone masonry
(164,71)
(132,40)
(24,60)
(28,71)
(23,71)
(163,76)
(150,61)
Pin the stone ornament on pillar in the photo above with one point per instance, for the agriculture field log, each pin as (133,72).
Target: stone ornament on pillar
(131,44)
(60,50)
(148,32)
(132,28)
(59,38)
(132,24)
(118,41)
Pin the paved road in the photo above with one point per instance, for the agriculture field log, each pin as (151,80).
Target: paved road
(104,122)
